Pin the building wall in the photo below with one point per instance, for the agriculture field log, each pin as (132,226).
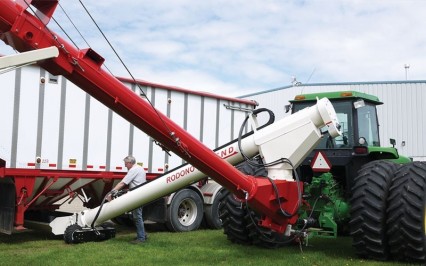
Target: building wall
(65,128)
(401,117)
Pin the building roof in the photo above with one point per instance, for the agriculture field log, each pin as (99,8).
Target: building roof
(333,84)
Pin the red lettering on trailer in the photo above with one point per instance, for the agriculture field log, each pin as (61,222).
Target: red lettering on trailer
(229,152)
(180,174)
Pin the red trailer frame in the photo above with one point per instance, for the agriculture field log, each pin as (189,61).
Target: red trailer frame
(39,189)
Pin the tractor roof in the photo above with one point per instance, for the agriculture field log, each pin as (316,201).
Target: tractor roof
(337,95)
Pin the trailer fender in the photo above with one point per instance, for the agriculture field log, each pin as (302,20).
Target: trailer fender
(210,191)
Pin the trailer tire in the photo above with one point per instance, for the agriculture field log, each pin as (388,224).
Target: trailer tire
(368,209)
(185,212)
(212,212)
(232,213)
(407,213)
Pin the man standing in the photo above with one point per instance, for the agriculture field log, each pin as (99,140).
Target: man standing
(135,177)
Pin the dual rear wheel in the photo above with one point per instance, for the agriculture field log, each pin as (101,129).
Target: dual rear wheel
(388,206)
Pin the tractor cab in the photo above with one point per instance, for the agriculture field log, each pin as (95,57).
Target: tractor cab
(359,142)
(357,117)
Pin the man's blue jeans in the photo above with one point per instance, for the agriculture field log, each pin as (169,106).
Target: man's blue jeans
(140,228)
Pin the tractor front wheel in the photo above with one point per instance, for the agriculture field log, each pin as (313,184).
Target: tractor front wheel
(232,213)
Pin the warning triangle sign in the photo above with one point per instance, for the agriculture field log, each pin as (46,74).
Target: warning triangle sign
(320,163)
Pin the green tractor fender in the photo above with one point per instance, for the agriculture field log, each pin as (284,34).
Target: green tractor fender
(387,153)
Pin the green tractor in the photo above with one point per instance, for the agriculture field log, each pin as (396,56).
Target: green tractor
(355,186)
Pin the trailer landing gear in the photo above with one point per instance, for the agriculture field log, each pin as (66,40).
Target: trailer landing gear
(75,234)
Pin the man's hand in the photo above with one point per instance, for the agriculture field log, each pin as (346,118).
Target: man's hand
(112,194)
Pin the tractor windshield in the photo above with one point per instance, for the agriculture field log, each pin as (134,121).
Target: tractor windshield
(367,125)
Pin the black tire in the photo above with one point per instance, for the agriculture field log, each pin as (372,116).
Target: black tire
(265,237)
(212,212)
(232,213)
(407,213)
(368,209)
(68,235)
(260,236)
(185,212)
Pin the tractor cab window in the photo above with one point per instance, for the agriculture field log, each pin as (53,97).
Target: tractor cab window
(367,125)
(344,115)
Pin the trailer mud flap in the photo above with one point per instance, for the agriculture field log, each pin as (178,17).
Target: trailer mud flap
(7,205)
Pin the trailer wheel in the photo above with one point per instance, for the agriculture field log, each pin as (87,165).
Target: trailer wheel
(185,212)
(212,212)
(407,213)
(368,209)
(232,213)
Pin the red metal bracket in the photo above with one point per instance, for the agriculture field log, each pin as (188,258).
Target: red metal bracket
(45,8)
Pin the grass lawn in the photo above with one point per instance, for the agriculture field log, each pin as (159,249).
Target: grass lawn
(202,247)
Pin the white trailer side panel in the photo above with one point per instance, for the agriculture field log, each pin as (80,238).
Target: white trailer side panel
(47,122)
(73,130)
(26,137)
(98,126)
(6,105)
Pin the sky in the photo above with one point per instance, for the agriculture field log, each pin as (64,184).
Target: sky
(238,47)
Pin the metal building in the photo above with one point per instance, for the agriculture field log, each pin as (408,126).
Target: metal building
(401,117)
(47,122)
